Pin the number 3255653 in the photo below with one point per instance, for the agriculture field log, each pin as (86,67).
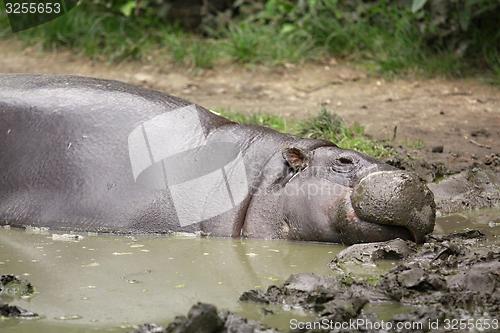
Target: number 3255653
(33,8)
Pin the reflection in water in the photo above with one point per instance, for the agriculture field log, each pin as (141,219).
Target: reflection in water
(104,282)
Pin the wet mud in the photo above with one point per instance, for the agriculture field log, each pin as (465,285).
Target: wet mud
(473,188)
(455,276)
(7,310)
(474,184)
(11,288)
(205,318)
(369,253)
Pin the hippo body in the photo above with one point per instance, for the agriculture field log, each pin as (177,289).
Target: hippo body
(85,154)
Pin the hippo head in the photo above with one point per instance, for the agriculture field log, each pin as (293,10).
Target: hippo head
(338,195)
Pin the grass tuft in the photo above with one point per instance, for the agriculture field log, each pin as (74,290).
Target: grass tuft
(277,123)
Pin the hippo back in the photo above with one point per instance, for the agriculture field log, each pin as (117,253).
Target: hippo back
(65,156)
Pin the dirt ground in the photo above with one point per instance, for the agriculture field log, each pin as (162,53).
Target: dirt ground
(462,116)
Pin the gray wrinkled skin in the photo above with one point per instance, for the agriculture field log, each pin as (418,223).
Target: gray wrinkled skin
(65,164)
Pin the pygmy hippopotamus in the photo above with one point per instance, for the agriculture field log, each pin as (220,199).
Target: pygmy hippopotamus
(84,154)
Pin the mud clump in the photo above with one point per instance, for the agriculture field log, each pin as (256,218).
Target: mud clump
(15,311)
(454,276)
(369,253)
(428,171)
(11,287)
(449,271)
(204,318)
(332,298)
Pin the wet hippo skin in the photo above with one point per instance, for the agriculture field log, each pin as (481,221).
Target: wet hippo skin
(86,154)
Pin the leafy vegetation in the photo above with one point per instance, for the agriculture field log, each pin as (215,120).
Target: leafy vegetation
(440,37)
(324,125)
(102,33)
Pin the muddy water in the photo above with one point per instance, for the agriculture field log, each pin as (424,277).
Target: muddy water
(108,283)
(485,220)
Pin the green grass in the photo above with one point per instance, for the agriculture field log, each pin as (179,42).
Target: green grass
(386,38)
(324,125)
(261,119)
(114,38)
(253,43)
(414,144)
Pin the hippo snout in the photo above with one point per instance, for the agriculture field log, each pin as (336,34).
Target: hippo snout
(395,198)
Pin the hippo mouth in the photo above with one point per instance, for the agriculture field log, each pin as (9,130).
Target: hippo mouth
(386,205)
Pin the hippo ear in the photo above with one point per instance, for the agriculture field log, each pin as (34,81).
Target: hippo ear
(296,158)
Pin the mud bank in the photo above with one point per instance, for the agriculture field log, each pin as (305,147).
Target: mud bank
(434,163)
(205,318)
(473,188)
(450,277)
(474,183)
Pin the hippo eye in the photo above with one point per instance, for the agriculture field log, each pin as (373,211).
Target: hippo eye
(344,164)
(346,160)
